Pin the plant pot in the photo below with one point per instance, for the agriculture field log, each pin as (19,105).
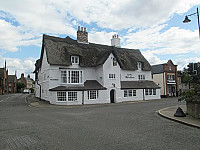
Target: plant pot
(193,109)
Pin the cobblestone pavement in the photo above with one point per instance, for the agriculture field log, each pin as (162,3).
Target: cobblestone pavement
(122,126)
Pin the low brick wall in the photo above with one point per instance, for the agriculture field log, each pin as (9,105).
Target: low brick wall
(193,109)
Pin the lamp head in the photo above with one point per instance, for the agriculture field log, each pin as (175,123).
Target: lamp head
(186,19)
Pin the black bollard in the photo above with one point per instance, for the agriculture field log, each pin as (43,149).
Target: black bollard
(179,113)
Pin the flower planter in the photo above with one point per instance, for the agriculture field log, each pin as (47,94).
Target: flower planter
(193,109)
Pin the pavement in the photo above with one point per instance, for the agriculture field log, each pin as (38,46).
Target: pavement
(188,120)
(167,112)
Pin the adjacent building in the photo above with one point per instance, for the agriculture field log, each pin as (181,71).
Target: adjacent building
(75,72)
(165,76)
(27,81)
(12,84)
(3,80)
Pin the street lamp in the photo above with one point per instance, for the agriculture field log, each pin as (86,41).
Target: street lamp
(188,20)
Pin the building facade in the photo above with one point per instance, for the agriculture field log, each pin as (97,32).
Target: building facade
(27,81)
(3,80)
(165,76)
(75,72)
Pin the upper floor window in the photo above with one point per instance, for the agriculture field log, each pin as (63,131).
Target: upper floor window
(139,65)
(71,76)
(111,76)
(171,77)
(170,68)
(75,59)
(114,61)
(141,77)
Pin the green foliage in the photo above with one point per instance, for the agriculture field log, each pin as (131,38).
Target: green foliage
(192,95)
(186,78)
(32,90)
(20,87)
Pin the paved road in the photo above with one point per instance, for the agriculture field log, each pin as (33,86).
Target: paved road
(123,126)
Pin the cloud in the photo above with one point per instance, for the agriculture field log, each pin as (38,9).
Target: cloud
(182,63)
(171,41)
(25,66)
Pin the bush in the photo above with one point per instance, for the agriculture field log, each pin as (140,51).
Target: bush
(191,95)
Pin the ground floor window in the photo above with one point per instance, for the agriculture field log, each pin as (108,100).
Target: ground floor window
(66,96)
(93,95)
(150,91)
(129,93)
(61,96)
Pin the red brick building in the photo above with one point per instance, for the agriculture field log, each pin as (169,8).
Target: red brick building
(12,83)
(3,80)
(165,75)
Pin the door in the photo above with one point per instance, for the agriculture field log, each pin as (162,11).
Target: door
(112,96)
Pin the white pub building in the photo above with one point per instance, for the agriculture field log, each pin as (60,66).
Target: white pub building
(76,72)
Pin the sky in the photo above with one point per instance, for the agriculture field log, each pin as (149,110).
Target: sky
(154,26)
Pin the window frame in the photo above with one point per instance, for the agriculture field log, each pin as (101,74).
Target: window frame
(93,95)
(66,96)
(111,76)
(69,76)
(130,93)
(75,60)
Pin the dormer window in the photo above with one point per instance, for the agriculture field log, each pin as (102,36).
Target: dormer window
(75,59)
(139,65)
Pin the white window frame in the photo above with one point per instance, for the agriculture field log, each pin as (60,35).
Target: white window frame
(154,91)
(75,60)
(111,76)
(141,77)
(130,93)
(69,77)
(61,96)
(93,95)
(70,96)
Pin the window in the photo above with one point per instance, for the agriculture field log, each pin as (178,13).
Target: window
(66,96)
(141,77)
(139,65)
(71,76)
(61,96)
(75,59)
(129,93)
(114,61)
(72,96)
(111,76)
(154,91)
(93,95)
(170,77)
(170,68)
(150,91)
(146,92)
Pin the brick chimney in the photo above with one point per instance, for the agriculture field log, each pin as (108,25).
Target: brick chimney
(82,35)
(115,41)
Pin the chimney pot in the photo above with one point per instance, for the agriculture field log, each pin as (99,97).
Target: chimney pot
(78,28)
(81,28)
(85,29)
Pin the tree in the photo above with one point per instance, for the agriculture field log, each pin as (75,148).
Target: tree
(186,78)
(20,87)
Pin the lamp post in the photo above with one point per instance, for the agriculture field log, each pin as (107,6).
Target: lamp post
(188,20)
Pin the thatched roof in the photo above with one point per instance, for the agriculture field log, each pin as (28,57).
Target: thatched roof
(60,50)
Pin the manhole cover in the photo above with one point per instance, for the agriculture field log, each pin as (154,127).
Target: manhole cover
(23,141)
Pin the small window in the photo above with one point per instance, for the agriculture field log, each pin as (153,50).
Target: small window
(139,65)
(75,59)
(125,93)
(114,61)
(170,68)
(93,95)
(141,77)
(72,96)
(150,91)
(111,76)
(61,96)
(134,92)
(130,93)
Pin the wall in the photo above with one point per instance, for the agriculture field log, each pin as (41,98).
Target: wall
(160,80)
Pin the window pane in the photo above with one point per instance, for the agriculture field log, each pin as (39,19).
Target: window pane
(130,93)
(150,91)
(61,96)
(125,93)
(146,91)
(154,91)
(72,96)
(134,92)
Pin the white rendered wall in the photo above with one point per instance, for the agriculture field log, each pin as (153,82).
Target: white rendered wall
(129,75)
(102,99)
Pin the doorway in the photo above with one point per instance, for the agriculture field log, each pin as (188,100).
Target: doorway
(112,96)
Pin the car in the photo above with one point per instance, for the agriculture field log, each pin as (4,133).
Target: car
(26,91)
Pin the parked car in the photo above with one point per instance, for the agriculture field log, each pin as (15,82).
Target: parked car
(26,91)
